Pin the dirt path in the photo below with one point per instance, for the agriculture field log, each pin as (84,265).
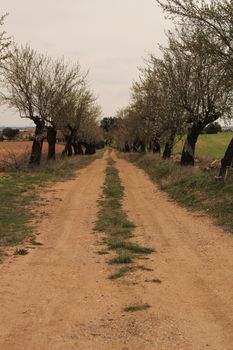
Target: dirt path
(194,260)
(59,296)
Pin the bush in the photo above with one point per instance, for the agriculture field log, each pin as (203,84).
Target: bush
(10,133)
(213,128)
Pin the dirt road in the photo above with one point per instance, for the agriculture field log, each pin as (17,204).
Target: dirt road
(59,296)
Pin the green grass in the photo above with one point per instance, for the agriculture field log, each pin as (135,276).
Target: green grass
(130,247)
(122,272)
(21,251)
(191,187)
(123,258)
(134,308)
(113,221)
(209,146)
(20,189)
(102,252)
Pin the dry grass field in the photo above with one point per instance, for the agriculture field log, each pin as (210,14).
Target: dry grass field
(14,152)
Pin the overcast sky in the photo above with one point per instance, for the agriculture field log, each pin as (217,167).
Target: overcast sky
(110,37)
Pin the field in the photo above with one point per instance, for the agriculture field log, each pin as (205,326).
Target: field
(209,146)
(12,152)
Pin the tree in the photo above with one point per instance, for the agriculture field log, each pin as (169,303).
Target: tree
(213,128)
(79,121)
(213,16)
(109,126)
(55,83)
(216,18)
(168,113)
(201,85)
(4,42)
(19,72)
(108,123)
(227,161)
(152,117)
(10,133)
(39,88)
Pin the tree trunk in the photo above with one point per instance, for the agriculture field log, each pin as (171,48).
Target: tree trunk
(38,142)
(90,148)
(69,146)
(188,153)
(51,138)
(75,146)
(142,147)
(80,150)
(227,161)
(127,148)
(169,145)
(70,141)
(156,148)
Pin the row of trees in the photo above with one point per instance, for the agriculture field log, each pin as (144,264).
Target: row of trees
(53,94)
(188,87)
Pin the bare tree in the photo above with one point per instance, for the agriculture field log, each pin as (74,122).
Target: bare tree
(201,85)
(19,72)
(55,83)
(216,17)
(4,41)
(40,89)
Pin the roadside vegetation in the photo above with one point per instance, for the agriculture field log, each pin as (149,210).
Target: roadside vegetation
(139,307)
(114,223)
(209,147)
(19,193)
(191,187)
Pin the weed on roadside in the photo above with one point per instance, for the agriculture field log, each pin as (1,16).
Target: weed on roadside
(102,252)
(154,280)
(21,251)
(134,308)
(34,242)
(143,268)
(122,272)
(123,258)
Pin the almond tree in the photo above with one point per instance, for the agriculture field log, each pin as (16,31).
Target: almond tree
(38,88)
(19,73)
(78,119)
(216,18)
(200,85)
(4,42)
(167,117)
(153,115)
(55,83)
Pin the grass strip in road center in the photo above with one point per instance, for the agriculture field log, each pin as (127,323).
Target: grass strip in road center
(113,221)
